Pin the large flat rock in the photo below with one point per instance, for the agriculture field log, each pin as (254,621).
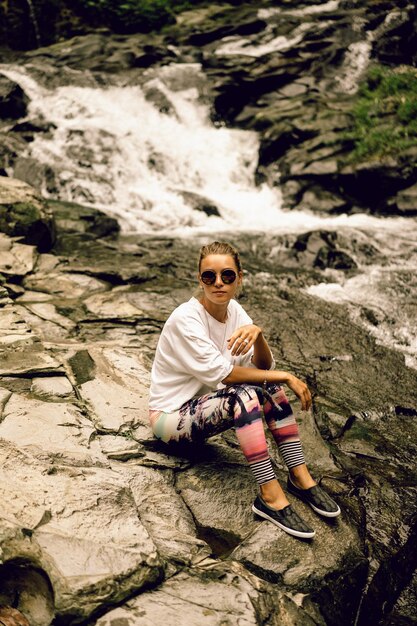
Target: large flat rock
(166,517)
(24,213)
(13,328)
(117,393)
(51,430)
(16,259)
(213,595)
(28,361)
(84,527)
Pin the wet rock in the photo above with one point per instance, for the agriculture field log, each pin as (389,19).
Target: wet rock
(70,217)
(83,51)
(200,203)
(405,201)
(36,174)
(394,575)
(386,177)
(30,127)
(397,42)
(158,99)
(319,249)
(16,259)
(13,100)
(23,213)
(153,54)
(11,147)
(319,200)
(83,366)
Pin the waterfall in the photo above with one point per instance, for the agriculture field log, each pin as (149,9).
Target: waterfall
(34,21)
(150,156)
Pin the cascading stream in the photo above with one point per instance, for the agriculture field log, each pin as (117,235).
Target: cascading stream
(150,156)
(115,150)
(34,22)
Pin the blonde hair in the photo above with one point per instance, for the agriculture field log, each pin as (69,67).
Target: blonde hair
(220,247)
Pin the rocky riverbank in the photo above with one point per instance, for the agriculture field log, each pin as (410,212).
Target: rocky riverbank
(101,524)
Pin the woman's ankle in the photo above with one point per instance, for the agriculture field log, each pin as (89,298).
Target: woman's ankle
(301,477)
(273,495)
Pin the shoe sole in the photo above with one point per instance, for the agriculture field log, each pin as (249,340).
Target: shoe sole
(323,513)
(290,531)
(319,511)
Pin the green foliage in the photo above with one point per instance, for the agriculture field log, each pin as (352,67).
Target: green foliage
(385,114)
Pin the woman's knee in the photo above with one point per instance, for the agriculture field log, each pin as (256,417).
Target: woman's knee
(250,395)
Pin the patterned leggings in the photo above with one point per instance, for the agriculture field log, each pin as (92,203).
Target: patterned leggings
(243,407)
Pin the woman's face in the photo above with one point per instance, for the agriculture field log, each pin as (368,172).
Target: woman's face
(219,292)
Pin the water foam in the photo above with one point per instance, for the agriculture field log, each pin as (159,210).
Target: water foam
(315,9)
(114,150)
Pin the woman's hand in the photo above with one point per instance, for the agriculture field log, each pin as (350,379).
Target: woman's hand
(243,339)
(301,390)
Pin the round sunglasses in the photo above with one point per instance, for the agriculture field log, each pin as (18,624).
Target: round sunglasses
(209,277)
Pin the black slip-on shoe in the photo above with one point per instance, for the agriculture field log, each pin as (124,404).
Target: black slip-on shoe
(317,498)
(287,519)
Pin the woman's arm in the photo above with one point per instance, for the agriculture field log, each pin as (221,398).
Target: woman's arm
(256,376)
(262,355)
(247,336)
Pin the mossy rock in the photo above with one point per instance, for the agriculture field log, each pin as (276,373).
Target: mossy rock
(23,213)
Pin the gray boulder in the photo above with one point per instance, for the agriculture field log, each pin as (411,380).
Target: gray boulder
(13,100)
(24,214)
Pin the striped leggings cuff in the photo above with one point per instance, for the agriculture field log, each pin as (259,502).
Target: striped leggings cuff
(292,453)
(263,471)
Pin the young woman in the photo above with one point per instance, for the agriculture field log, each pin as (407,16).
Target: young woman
(213,370)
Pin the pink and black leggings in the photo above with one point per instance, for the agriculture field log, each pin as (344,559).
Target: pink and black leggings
(242,407)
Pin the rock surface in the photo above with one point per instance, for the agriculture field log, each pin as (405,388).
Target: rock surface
(107,525)
(13,100)
(24,214)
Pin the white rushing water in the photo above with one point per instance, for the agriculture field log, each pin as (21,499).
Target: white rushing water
(383,299)
(114,149)
(314,9)
(235,45)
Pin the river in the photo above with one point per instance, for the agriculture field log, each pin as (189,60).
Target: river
(150,162)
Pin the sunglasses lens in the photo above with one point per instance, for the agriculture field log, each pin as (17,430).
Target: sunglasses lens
(228,277)
(208,278)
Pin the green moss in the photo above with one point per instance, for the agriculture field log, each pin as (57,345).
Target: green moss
(385,114)
(25,213)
